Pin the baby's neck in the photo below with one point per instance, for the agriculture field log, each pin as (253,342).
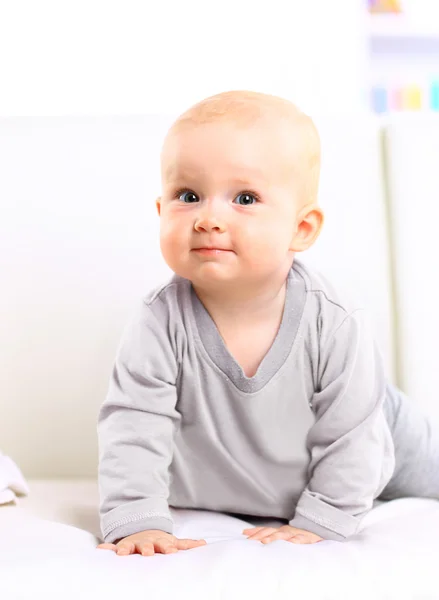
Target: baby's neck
(244,308)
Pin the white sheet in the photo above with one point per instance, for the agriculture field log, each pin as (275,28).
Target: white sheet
(395,556)
(12,482)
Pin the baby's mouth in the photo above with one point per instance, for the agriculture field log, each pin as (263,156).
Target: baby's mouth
(211,251)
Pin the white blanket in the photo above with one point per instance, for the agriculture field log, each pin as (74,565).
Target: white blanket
(395,556)
(12,482)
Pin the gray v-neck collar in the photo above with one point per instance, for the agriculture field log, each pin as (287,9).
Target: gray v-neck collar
(215,347)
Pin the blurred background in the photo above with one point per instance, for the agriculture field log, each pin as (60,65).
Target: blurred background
(131,57)
(87,91)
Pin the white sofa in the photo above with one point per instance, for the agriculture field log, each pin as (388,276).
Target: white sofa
(79,247)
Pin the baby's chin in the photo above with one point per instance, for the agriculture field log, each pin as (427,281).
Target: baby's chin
(209,274)
(212,273)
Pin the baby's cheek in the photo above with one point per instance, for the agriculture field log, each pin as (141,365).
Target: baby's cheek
(171,247)
(269,248)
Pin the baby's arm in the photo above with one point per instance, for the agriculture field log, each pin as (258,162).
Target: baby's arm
(350,443)
(136,426)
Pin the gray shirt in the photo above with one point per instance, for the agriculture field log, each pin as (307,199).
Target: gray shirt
(305,439)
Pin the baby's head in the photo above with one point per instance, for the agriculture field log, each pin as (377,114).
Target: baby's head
(240,175)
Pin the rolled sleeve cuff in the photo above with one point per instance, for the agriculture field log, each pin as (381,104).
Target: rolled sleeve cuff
(132,517)
(324,520)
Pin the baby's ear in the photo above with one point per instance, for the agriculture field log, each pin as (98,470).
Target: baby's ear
(158,203)
(309,224)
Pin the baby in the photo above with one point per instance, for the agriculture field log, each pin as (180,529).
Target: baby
(246,384)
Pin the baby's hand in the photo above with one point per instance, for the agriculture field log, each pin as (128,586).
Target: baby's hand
(150,541)
(286,532)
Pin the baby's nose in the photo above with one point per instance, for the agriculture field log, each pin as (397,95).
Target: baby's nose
(209,224)
(209,219)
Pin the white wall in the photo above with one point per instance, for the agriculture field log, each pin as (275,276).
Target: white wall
(106,57)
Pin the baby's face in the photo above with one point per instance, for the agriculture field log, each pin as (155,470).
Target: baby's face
(228,206)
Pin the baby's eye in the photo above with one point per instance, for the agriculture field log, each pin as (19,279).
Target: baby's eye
(187,196)
(245,199)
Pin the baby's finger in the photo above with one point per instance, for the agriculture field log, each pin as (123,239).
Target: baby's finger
(125,548)
(279,535)
(187,544)
(107,547)
(303,539)
(252,530)
(165,546)
(145,548)
(264,531)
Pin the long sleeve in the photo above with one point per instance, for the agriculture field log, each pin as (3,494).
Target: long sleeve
(352,455)
(136,426)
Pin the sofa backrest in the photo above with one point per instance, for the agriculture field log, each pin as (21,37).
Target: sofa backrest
(412,166)
(79,247)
